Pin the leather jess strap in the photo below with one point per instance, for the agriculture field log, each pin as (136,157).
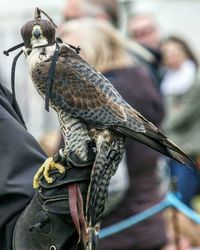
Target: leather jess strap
(76,210)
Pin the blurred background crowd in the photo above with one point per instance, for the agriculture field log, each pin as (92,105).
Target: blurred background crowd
(149,50)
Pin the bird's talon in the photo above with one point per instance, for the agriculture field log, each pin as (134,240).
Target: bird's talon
(48,165)
(36,184)
(48,179)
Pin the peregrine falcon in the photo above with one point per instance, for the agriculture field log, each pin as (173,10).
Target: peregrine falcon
(90,110)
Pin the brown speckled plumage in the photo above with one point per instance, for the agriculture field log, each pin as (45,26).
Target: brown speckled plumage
(86,101)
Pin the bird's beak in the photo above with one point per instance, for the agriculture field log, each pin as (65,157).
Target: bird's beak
(37,39)
(37,31)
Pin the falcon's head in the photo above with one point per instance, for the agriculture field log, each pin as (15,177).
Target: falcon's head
(38,33)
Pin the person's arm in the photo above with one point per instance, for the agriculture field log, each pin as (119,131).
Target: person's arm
(20,157)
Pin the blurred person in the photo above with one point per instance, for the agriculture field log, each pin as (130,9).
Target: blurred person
(183,125)
(100,9)
(181,66)
(143,28)
(110,11)
(176,87)
(104,48)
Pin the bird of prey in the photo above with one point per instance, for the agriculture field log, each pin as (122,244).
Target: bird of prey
(90,110)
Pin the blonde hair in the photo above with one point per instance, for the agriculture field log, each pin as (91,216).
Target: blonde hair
(102,45)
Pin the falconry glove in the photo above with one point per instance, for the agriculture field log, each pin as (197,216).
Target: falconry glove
(49,221)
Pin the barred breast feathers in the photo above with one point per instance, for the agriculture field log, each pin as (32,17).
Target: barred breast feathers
(75,133)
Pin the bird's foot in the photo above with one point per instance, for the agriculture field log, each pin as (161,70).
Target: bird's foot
(48,165)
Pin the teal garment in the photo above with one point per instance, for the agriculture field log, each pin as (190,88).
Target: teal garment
(183,121)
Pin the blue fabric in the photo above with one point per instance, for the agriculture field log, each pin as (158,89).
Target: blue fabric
(188,181)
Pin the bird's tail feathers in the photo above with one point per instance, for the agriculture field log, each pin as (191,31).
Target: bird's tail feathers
(159,142)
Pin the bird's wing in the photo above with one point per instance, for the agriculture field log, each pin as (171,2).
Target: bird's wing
(87,94)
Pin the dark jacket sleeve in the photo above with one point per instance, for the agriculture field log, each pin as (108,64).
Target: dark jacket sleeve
(20,157)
